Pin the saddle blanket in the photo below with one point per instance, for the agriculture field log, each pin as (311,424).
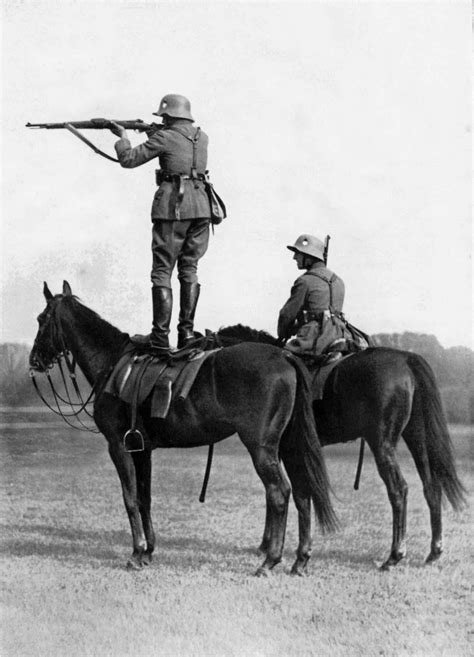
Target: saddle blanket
(136,376)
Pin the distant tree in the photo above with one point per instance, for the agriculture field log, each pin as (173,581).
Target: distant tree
(453,368)
(16,388)
(15,384)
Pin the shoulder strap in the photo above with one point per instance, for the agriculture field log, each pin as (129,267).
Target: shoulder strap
(194,140)
(327,280)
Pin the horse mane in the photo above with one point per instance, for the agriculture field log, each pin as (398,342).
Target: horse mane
(98,328)
(246,334)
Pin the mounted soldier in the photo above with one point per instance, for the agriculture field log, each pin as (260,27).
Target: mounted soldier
(180,213)
(314,310)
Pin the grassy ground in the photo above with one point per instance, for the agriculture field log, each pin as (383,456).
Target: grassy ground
(65,541)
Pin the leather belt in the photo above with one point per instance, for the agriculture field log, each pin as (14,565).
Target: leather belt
(309,316)
(161,176)
(179,178)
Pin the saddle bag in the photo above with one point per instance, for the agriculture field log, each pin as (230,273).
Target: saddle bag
(319,336)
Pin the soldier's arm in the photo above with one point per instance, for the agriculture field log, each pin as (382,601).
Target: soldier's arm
(130,158)
(291,309)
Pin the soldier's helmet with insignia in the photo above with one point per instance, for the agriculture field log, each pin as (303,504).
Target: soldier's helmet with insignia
(309,245)
(176,106)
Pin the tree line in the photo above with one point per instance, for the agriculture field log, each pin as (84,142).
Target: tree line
(453,369)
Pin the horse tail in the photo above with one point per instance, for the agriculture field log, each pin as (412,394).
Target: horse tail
(302,449)
(428,418)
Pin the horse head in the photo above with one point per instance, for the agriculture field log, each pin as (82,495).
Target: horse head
(49,341)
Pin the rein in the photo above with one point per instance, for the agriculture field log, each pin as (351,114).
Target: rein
(71,366)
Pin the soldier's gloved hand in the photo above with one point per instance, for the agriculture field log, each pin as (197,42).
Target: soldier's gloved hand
(117,130)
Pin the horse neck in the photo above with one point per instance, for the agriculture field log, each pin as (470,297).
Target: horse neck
(94,343)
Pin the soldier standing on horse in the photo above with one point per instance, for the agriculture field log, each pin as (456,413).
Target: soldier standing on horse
(314,310)
(180,213)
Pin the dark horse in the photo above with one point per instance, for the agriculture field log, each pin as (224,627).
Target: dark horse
(254,390)
(382,394)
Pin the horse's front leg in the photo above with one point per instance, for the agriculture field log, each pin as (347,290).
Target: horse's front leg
(142,462)
(111,417)
(125,467)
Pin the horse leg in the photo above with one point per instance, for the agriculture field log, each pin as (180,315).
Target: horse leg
(125,467)
(397,490)
(303,553)
(111,417)
(263,547)
(277,489)
(431,489)
(142,462)
(303,505)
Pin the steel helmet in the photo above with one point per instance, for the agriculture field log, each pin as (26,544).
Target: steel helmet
(176,106)
(309,245)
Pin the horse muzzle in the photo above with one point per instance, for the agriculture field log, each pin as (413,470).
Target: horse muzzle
(37,364)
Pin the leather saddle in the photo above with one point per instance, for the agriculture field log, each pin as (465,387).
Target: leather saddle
(139,374)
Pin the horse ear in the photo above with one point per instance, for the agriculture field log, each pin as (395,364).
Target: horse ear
(67,289)
(46,291)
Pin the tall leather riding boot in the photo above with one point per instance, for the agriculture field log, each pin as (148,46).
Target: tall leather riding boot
(189,295)
(162,307)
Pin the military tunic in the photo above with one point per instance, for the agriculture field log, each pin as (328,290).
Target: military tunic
(312,293)
(180,210)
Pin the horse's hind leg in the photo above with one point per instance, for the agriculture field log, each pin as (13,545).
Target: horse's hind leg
(265,542)
(303,504)
(277,489)
(431,488)
(397,490)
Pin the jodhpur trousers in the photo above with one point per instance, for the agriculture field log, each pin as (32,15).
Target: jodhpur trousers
(183,242)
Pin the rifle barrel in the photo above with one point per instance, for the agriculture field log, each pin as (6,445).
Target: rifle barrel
(93,124)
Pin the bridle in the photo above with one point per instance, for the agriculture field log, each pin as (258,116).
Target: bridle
(52,322)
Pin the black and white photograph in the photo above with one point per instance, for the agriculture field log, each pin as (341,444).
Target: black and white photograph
(236,328)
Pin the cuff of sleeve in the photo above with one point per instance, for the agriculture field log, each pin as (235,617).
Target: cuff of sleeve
(122,145)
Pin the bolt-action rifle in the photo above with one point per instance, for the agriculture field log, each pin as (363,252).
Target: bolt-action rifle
(326,249)
(98,124)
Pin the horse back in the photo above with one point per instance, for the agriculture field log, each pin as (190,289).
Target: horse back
(247,388)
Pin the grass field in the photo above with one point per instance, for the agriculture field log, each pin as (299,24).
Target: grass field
(65,541)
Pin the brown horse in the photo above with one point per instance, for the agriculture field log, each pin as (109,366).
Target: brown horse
(380,395)
(255,390)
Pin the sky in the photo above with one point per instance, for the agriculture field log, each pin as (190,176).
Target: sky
(351,119)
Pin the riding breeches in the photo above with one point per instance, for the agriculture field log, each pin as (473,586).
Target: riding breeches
(178,242)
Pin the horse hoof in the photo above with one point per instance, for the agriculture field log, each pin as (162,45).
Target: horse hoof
(298,571)
(263,572)
(147,559)
(432,557)
(136,562)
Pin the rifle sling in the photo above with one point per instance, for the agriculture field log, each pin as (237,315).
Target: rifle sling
(80,136)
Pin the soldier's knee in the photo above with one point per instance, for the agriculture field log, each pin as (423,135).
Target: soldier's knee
(160,279)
